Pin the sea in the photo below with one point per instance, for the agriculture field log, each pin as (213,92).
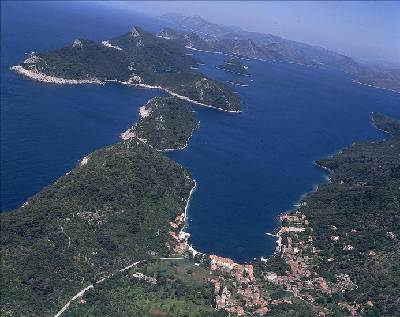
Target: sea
(249,167)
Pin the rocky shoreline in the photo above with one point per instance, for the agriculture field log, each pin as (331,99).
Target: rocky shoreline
(181,238)
(232,82)
(40,77)
(373,86)
(186,98)
(158,117)
(285,62)
(245,289)
(231,71)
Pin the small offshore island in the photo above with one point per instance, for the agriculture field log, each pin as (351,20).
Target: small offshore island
(238,83)
(109,239)
(234,66)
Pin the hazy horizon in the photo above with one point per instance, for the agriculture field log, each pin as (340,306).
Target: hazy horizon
(365,31)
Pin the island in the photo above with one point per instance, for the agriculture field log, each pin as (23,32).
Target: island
(138,249)
(166,124)
(234,65)
(122,206)
(137,58)
(109,238)
(238,83)
(200,34)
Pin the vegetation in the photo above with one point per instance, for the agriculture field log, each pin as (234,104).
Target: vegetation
(137,57)
(175,288)
(360,206)
(153,55)
(294,308)
(230,40)
(386,124)
(168,125)
(234,65)
(165,63)
(189,40)
(202,89)
(111,210)
(238,83)
(339,250)
(388,78)
(82,60)
(275,264)
(114,209)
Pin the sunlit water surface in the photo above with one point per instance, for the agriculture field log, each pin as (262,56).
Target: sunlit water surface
(249,167)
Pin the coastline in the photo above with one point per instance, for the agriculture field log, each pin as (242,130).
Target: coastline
(182,97)
(40,77)
(186,222)
(236,84)
(183,231)
(376,127)
(183,235)
(186,143)
(129,133)
(56,80)
(373,86)
(232,72)
(288,62)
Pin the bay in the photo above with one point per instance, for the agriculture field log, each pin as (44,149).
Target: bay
(249,167)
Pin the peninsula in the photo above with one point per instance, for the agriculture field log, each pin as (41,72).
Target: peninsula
(317,269)
(136,58)
(166,124)
(108,238)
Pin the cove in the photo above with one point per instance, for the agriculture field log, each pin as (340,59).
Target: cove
(251,167)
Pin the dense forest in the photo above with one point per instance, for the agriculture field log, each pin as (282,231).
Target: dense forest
(115,207)
(83,59)
(347,243)
(361,206)
(137,57)
(168,123)
(234,65)
(338,253)
(109,211)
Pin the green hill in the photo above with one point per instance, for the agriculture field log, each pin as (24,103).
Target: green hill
(167,123)
(137,57)
(111,210)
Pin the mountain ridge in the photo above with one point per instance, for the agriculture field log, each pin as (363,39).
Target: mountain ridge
(232,40)
(137,58)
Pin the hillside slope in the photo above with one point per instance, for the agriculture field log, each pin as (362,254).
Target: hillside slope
(110,211)
(233,40)
(135,58)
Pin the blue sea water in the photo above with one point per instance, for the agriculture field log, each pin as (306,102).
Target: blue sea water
(46,129)
(249,167)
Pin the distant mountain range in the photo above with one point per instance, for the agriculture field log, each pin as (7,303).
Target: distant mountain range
(200,34)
